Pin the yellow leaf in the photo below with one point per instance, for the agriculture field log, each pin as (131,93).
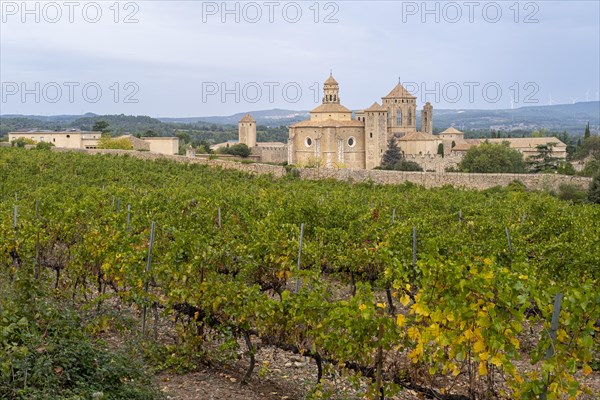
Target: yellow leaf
(381,305)
(487,261)
(413,333)
(562,336)
(515,342)
(419,309)
(468,334)
(362,307)
(479,346)
(400,320)
(450,317)
(435,330)
(484,356)
(482,370)
(488,275)
(587,369)
(496,361)
(405,300)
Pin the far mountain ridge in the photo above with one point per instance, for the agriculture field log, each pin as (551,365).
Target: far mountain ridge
(560,117)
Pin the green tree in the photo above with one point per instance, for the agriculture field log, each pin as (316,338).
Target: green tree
(592,167)
(587,133)
(594,191)
(544,160)
(101,126)
(240,150)
(589,147)
(392,155)
(440,149)
(44,146)
(150,133)
(493,158)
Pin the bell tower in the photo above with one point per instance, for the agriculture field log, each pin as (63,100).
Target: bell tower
(427,118)
(331,91)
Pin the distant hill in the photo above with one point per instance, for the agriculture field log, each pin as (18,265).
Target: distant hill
(274,117)
(50,118)
(118,123)
(556,118)
(561,117)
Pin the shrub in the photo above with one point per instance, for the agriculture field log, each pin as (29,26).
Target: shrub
(107,142)
(594,191)
(22,142)
(566,168)
(591,168)
(240,150)
(44,146)
(403,165)
(566,191)
(44,353)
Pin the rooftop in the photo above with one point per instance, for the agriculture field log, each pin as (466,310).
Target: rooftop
(399,92)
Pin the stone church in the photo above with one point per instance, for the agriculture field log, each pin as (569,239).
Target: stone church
(334,138)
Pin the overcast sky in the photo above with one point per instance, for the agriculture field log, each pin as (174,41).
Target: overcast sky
(193,58)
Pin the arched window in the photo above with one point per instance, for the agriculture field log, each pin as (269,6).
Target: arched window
(398,117)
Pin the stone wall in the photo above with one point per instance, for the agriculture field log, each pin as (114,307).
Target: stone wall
(434,162)
(427,179)
(271,154)
(463,180)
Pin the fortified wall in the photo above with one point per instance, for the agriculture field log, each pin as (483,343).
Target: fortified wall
(435,162)
(426,179)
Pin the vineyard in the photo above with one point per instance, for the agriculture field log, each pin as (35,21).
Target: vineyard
(446,292)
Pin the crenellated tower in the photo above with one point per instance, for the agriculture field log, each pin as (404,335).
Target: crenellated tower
(427,118)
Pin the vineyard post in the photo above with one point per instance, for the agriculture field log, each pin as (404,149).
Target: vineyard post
(299,255)
(379,358)
(151,245)
(508,238)
(219,216)
(460,215)
(128,217)
(15,217)
(522,218)
(553,328)
(414,260)
(393,216)
(37,240)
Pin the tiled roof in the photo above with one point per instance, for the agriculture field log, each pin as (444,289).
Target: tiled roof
(247,118)
(417,136)
(328,123)
(331,107)
(331,80)
(451,131)
(399,92)
(376,107)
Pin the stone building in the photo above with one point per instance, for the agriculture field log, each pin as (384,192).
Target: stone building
(333,138)
(75,139)
(268,152)
(527,146)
